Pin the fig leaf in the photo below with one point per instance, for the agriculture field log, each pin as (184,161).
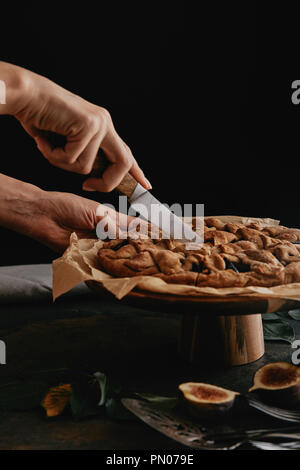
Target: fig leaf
(278,330)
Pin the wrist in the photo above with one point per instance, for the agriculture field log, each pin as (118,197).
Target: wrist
(20,207)
(17,87)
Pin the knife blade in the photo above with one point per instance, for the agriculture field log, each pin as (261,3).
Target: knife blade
(150,208)
(144,203)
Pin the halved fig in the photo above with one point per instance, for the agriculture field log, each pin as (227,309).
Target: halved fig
(278,383)
(203,399)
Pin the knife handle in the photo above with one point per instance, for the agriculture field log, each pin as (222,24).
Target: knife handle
(128,183)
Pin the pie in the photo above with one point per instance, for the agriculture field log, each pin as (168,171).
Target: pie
(232,255)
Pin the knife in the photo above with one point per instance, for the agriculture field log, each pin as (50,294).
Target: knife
(173,426)
(141,200)
(149,208)
(207,437)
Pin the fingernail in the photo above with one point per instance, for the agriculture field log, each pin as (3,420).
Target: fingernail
(149,185)
(86,187)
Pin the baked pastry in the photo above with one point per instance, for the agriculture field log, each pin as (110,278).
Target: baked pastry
(232,255)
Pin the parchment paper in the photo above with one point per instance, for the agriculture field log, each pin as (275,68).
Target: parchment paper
(79,263)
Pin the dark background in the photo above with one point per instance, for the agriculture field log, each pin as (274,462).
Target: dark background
(201,96)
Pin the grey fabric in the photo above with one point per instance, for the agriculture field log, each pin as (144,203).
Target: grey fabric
(29,283)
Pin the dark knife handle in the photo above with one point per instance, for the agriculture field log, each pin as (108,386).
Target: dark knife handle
(128,183)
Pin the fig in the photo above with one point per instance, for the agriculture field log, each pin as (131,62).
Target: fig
(278,383)
(204,400)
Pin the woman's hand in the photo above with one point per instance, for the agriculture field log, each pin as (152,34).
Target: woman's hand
(60,214)
(50,217)
(41,106)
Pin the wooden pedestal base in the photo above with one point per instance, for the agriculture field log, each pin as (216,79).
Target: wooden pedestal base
(214,340)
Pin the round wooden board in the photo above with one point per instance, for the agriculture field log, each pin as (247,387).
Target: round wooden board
(229,305)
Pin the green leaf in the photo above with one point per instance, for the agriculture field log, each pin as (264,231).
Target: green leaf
(117,411)
(19,396)
(270,316)
(166,403)
(284,315)
(278,330)
(99,394)
(101,378)
(84,399)
(294,314)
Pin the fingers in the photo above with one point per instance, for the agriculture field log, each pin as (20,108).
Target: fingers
(75,156)
(122,162)
(84,163)
(86,128)
(82,141)
(136,171)
(138,174)
(110,179)
(84,135)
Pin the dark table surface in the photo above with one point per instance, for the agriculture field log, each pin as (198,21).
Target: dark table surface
(134,347)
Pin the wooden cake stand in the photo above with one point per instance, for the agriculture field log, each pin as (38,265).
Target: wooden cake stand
(216,331)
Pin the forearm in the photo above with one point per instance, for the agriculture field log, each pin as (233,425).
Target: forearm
(15,88)
(48,217)
(20,205)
